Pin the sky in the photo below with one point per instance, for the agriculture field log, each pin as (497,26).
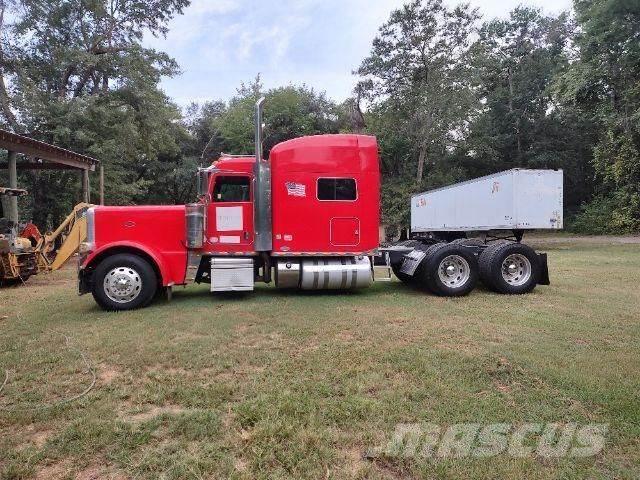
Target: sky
(221,43)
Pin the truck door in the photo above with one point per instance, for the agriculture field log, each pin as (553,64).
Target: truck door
(345,231)
(230,216)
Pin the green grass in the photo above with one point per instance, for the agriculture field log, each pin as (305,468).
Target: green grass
(300,385)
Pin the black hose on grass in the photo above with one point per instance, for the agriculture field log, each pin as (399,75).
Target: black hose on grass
(90,369)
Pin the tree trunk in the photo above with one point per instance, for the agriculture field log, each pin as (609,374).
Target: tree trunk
(83,81)
(424,146)
(512,112)
(62,91)
(422,158)
(5,101)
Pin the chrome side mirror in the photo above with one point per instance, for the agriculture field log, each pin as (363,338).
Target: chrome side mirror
(203,182)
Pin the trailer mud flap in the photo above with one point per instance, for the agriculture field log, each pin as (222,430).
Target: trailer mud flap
(544,270)
(411,261)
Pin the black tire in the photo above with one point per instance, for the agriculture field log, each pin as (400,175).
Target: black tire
(132,265)
(403,277)
(467,265)
(469,242)
(516,283)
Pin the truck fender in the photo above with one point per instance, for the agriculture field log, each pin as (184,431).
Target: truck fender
(158,262)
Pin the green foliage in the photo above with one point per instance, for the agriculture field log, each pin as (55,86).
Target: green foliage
(292,112)
(418,70)
(79,77)
(448,100)
(603,83)
(597,217)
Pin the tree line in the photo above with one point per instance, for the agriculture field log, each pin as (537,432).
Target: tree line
(450,96)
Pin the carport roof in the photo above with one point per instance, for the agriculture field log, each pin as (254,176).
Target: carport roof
(56,156)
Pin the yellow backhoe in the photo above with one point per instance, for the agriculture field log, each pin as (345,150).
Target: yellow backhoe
(24,251)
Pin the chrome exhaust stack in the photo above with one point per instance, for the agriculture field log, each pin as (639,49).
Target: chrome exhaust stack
(262,190)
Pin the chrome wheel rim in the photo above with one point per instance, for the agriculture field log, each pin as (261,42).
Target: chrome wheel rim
(516,269)
(122,284)
(454,271)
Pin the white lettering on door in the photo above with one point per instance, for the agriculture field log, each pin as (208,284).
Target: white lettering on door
(228,219)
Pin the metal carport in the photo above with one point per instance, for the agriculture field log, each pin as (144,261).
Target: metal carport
(43,156)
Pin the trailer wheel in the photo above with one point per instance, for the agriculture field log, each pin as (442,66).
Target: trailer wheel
(469,242)
(450,270)
(124,282)
(511,268)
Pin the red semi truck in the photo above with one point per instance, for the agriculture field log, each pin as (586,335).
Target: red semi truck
(308,217)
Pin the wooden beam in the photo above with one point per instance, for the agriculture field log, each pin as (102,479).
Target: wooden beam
(37,166)
(28,146)
(101,185)
(12,203)
(86,192)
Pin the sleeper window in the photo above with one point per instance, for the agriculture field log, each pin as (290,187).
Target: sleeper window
(337,189)
(231,189)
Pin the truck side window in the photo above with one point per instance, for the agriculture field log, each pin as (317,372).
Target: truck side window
(231,189)
(337,189)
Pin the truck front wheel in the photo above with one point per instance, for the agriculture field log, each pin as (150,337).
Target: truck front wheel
(124,282)
(450,270)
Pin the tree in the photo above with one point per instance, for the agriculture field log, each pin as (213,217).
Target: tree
(419,68)
(521,122)
(75,73)
(292,112)
(604,84)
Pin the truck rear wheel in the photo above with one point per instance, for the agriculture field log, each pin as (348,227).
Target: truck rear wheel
(124,282)
(449,270)
(469,242)
(511,268)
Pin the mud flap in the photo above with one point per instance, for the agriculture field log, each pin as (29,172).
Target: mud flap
(411,262)
(85,282)
(544,270)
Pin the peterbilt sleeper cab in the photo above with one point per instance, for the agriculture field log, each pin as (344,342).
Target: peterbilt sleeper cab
(307,218)
(323,214)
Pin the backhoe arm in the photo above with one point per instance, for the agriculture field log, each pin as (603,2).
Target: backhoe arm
(75,226)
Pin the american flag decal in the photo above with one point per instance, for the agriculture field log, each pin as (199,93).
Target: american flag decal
(296,189)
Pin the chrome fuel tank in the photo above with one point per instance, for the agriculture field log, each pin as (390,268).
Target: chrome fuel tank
(335,273)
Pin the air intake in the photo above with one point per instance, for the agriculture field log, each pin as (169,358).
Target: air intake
(262,190)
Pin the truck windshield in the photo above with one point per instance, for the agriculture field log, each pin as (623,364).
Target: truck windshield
(231,189)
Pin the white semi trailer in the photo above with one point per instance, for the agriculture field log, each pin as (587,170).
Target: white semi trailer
(514,201)
(488,216)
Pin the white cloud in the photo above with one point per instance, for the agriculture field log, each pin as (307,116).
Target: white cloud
(220,43)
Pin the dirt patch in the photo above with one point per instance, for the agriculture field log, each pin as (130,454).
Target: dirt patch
(54,471)
(355,463)
(108,373)
(100,472)
(36,436)
(256,341)
(240,465)
(41,437)
(345,336)
(502,376)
